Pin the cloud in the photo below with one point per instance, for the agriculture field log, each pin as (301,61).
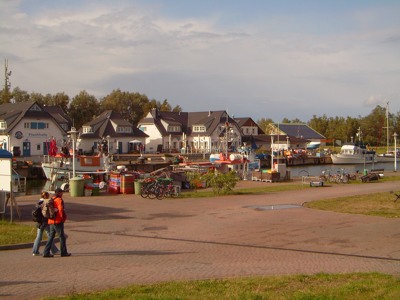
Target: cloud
(274,64)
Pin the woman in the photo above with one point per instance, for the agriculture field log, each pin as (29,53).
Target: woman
(43,226)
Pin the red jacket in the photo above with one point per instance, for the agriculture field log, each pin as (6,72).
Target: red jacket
(61,216)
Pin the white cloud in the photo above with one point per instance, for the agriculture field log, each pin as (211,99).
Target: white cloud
(277,66)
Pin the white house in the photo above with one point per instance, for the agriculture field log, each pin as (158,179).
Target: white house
(191,132)
(27,128)
(110,130)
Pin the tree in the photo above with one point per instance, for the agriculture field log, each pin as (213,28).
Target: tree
(372,126)
(264,123)
(132,106)
(59,99)
(177,108)
(83,109)
(20,95)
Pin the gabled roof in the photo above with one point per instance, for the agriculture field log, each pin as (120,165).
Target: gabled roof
(248,122)
(299,131)
(211,120)
(59,114)
(103,125)
(13,113)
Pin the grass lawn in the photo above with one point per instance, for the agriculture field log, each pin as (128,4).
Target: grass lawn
(320,286)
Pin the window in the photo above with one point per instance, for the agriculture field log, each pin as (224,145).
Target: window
(199,128)
(143,128)
(87,129)
(36,125)
(3,125)
(174,128)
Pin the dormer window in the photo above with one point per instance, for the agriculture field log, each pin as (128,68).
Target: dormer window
(87,129)
(121,129)
(199,128)
(172,128)
(3,125)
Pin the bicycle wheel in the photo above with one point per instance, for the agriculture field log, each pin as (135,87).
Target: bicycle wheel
(144,192)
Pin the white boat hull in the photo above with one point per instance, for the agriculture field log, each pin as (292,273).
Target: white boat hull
(387,159)
(55,166)
(340,159)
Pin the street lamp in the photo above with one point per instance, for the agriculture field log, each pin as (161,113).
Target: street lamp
(108,144)
(73,134)
(395,151)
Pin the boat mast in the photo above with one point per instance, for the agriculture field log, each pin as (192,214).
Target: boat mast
(387,127)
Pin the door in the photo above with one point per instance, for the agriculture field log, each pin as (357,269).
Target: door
(26,149)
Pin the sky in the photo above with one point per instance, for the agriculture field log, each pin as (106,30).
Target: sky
(253,58)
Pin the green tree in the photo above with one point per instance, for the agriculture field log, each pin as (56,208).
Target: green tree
(20,95)
(264,123)
(132,106)
(83,109)
(372,127)
(59,99)
(177,108)
(37,97)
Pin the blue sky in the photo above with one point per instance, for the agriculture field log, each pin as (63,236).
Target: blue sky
(255,58)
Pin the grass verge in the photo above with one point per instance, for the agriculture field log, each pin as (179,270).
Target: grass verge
(377,204)
(352,286)
(13,233)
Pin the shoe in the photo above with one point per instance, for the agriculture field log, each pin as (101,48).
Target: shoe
(57,253)
(65,255)
(36,254)
(48,255)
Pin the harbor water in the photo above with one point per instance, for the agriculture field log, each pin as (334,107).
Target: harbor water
(316,170)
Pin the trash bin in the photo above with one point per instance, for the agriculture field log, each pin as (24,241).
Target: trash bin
(76,187)
(138,186)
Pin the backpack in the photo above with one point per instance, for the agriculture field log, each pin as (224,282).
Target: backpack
(48,209)
(37,215)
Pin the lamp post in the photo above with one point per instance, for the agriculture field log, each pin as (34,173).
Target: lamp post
(395,151)
(73,133)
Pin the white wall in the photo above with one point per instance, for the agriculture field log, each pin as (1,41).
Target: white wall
(36,137)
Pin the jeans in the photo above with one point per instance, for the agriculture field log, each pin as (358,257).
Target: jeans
(59,229)
(39,236)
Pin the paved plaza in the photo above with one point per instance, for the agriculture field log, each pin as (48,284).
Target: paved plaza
(118,240)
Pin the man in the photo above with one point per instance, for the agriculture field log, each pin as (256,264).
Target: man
(57,226)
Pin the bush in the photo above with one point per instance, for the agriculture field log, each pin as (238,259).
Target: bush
(221,183)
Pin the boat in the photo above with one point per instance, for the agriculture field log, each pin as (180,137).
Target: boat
(58,166)
(354,153)
(389,156)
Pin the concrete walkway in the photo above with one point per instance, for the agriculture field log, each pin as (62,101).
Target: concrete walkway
(117,240)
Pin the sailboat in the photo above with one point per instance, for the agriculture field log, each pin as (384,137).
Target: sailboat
(390,155)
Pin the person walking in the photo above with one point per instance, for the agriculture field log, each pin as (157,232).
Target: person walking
(57,225)
(43,226)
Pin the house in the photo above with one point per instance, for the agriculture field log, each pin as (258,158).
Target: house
(111,133)
(249,127)
(300,135)
(26,129)
(190,132)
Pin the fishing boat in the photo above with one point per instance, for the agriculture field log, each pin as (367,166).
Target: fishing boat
(389,156)
(354,153)
(61,166)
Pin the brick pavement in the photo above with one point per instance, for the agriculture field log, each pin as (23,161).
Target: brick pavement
(117,240)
